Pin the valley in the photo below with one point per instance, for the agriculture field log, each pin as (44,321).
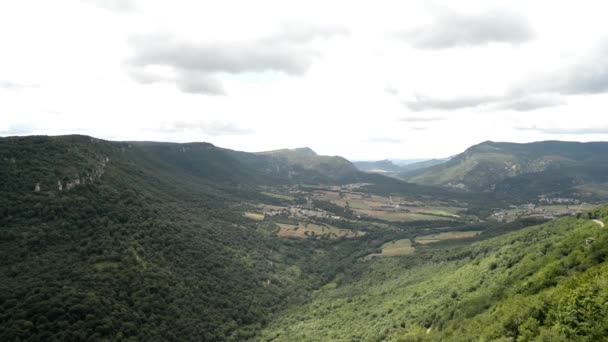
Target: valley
(161,241)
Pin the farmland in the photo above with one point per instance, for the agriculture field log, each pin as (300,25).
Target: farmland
(390,208)
(306,230)
(394,248)
(425,239)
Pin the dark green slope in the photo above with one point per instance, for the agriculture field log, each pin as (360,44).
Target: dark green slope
(547,168)
(303,164)
(543,283)
(142,242)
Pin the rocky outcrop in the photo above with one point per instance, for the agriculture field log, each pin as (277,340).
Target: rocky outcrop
(72,182)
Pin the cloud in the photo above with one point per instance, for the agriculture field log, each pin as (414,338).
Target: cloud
(566,131)
(422,118)
(198,65)
(385,140)
(532,102)
(422,102)
(452,29)
(391,90)
(18,129)
(214,128)
(588,75)
(8,85)
(511,101)
(113,5)
(199,83)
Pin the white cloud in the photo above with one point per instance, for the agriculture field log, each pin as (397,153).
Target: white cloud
(329,75)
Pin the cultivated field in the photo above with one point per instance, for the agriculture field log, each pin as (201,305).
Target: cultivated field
(392,248)
(305,230)
(424,239)
(254,216)
(388,208)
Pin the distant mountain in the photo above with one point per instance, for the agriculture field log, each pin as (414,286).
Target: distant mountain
(380,166)
(540,168)
(305,165)
(396,168)
(405,169)
(402,162)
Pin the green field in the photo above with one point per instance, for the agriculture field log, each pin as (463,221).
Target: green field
(394,248)
(424,239)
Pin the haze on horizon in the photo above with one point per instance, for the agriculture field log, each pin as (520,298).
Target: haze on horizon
(372,81)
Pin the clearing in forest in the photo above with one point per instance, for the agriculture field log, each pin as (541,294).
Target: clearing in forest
(393,248)
(305,230)
(446,236)
(254,216)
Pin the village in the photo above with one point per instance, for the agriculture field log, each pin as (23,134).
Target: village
(548,210)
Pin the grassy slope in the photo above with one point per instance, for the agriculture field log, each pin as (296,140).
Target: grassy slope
(546,282)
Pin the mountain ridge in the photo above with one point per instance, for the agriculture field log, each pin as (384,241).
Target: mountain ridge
(483,167)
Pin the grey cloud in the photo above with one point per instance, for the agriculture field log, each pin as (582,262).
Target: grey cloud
(452,29)
(566,131)
(193,82)
(233,57)
(200,83)
(589,75)
(213,128)
(199,64)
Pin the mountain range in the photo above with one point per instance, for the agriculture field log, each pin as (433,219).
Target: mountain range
(548,168)
(103,240)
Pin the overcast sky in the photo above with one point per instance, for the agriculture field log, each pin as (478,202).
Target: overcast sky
(365,80)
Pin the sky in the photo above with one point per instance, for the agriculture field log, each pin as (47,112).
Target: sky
(360,79)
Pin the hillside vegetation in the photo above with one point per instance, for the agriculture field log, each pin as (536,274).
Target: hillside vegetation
(551,168)
(148,241)
(142,241)
(313,168)
(543,283)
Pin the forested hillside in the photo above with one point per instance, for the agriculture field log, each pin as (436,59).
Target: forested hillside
(140,241)
(543,283)
(509,170)
(147,241)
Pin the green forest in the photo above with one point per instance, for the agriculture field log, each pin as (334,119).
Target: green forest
(126,241)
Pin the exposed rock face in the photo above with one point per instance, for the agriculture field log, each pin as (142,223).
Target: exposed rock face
(77,179)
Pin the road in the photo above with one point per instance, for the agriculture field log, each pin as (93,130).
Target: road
(599,222)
